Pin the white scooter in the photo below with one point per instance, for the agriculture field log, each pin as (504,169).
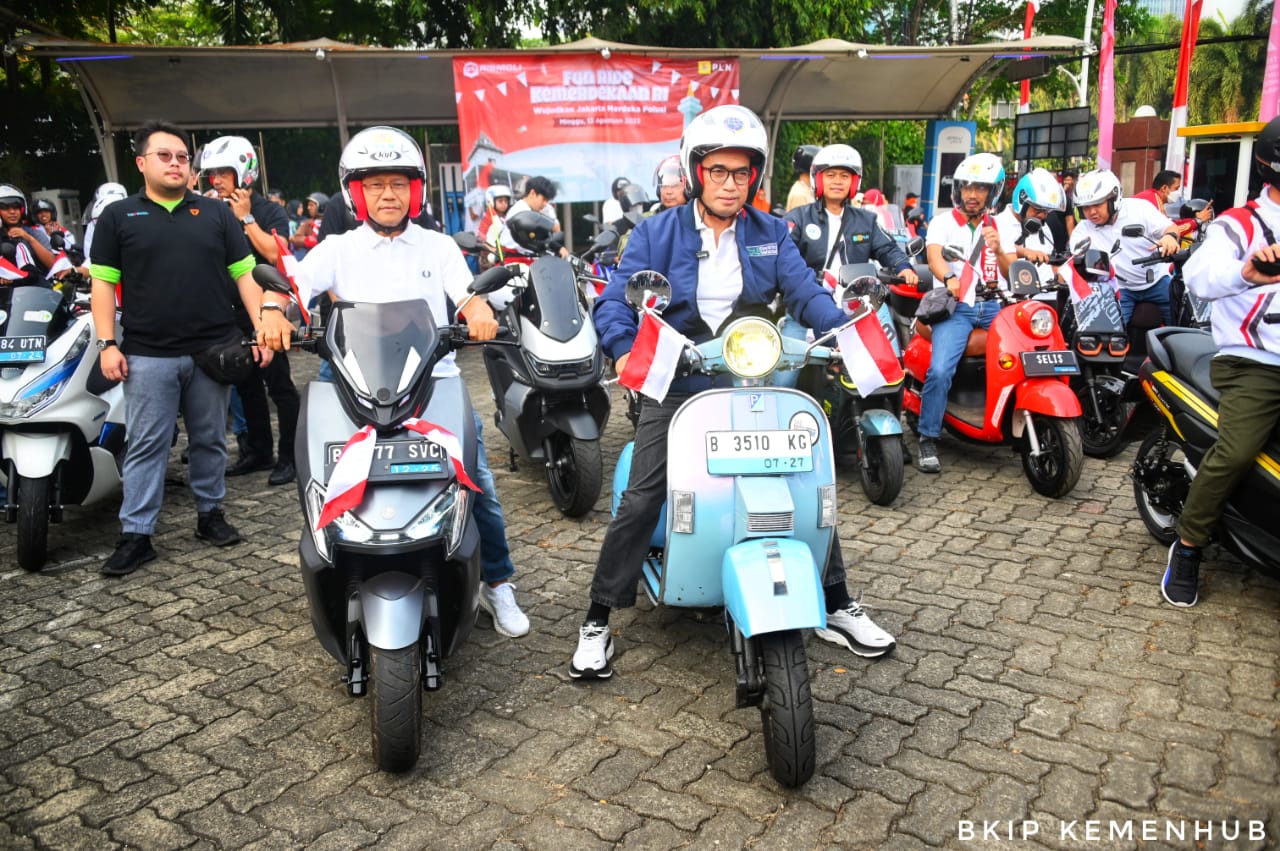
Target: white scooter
(62,435)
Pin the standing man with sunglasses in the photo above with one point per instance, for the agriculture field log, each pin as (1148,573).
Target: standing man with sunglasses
(170,251)
(724,260)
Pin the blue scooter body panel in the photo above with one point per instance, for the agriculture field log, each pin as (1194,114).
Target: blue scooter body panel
(772,584)
(877,422)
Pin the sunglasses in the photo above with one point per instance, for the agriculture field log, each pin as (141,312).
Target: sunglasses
(169,156)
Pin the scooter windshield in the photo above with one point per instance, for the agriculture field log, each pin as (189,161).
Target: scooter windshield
(554,303)
(29,312)
(383,349)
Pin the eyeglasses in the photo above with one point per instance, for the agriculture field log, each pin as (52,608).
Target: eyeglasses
(717,174)
(377,187)
(169,156)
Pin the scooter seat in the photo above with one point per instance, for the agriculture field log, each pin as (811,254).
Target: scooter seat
(1188,352)
(975,348)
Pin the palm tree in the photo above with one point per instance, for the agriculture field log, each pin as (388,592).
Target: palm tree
(1226,79)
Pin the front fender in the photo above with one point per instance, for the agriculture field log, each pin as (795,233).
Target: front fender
(574,422)
(394,610)
(35,454)
(877,422)
(772,584)
(1049,396)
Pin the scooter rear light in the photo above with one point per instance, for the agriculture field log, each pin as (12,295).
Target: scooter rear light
(1119,345)
(682,512)
(826,506)
(1088,344)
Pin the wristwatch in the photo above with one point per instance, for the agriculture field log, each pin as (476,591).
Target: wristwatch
(104,344)
(248,220)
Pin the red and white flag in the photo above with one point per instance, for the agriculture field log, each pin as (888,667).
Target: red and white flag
(345,488)
(1077,287)
(968,282)
(1107,86)
(288,266)
(61,263)
(1175,158)
(1024,97)
(446,439)
(10,272)
(1269,105)
(868,355)
(655,355)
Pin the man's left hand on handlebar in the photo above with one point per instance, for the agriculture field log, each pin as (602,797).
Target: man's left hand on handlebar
(1168,244)
(481,323)
(275,331)
(909,277)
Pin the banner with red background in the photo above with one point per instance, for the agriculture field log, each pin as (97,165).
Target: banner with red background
(580,119)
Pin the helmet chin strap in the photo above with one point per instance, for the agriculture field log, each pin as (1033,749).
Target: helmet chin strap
(384,230)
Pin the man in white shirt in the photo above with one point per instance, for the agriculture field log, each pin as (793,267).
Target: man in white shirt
(389,258)
(539,192)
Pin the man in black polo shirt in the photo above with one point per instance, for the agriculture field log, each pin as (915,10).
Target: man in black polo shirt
(170,251)
(230,165)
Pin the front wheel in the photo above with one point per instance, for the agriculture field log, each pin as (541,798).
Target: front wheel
(1103,436)
(1160,485)
(1055,471)
(395,692)
(786,712)
(882,473)
(32,496)
(575,470)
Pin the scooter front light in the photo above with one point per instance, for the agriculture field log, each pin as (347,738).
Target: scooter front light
(1118,345)
(433,519)
(1041,322)
(314,503)
(827,506)
(752,347)
(1089,344)
(49,385)
(682,512)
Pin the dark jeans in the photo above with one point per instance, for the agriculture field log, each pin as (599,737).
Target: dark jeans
(276,381)
(626,542)
(1247,415)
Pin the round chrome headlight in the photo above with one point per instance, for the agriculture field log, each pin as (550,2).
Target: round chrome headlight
(1041,323)
(752,347)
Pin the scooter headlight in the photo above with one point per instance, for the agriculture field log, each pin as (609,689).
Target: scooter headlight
(314,502)
(49,385)
(445,516)
(1041,323)
(752,347)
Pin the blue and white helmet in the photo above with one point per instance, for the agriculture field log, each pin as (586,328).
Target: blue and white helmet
(1041,190)
(978,170)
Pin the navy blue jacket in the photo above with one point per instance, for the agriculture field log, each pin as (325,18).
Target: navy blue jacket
(669,243)
(864,239)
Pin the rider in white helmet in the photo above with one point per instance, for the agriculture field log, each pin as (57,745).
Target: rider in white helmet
(1104,212)
(390,258)
(668,182)
(106,194)
(497,203)
(723,257)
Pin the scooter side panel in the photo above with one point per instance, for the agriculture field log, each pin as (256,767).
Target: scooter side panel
(106,476)
(772,585)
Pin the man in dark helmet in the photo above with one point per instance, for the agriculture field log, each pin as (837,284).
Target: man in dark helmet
(802,190)
(1246,370)
(614,207)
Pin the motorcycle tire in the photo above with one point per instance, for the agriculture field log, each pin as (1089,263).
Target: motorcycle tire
(786,712)
(395,695)
(1103,438)
(1056,470)
(882,474)
(575,471)
(1160,476)
(32,496)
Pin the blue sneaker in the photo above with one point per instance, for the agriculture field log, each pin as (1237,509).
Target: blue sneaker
(1181,582)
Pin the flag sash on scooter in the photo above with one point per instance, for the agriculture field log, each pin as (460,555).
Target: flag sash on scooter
(61,263)
(446,439)
(868,355)
(655,355)
(968,284)
(288,266)
(1077,287)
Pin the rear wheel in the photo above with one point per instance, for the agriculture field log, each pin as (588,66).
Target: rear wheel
(32,497)
(395,692)
(574,472)
(882,473)
(1055,471)
(1103,436)
(1160,485)
(787,709)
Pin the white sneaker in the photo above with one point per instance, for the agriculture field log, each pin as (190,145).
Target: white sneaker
(500,603)
(852,629)
(595,649)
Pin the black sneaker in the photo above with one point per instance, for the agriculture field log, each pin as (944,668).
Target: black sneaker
(251,464)
(928,456)
(132,552)
(283,473)
(211,526)
(1181,582)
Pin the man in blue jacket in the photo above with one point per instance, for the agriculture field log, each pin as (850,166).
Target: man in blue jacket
(723,259)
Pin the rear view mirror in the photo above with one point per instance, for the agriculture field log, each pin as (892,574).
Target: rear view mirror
(1032,226)
(269,278)
(491,280)
(915,246)
(467,240)
(952,254)
(1133,231)
(648,289)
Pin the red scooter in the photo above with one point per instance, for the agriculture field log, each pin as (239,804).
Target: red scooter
(1012,385)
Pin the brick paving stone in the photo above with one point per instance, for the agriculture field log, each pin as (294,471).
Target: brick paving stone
(866,821)
(934,815)
(142,829)
(1067,792)
(652,801)
(1129,782)
(794,825)
(607,821)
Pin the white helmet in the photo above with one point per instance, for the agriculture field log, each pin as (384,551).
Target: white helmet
(721,127)
(1097,186)
(381,150)
(10,193)
(836,156)
(233,152)
(667,174)
(1041,190)
(496,191)
(106,194)
(978,170)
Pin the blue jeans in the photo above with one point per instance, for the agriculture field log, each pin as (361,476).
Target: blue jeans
(949,340)
(239,425)
(1157,294)
(156,390)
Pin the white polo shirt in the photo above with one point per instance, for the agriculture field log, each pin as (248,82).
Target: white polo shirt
(1132,211)
(364,267)
(952,228)
(1010,229)
(719,272)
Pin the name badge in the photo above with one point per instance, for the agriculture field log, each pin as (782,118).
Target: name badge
(767,250)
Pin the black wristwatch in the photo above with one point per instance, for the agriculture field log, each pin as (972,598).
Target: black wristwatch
(103,345)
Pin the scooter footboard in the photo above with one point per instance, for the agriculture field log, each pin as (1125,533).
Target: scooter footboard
(772,585)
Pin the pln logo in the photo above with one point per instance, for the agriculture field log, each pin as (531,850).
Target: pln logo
(471,70)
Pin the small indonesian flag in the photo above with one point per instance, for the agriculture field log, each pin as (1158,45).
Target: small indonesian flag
(10,272)
(61,263)
(1077,287)
(345,488)
(830,280)
(449,441)
(655,355)
(288,266)
(868,355)
(968,284)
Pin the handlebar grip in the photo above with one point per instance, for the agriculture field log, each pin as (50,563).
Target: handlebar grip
(1153,259)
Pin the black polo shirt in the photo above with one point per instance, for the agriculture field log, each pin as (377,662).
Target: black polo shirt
(172,267)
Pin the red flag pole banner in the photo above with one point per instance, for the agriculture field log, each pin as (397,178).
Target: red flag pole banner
(1270,103)
(579,119)
(1175,158)
(1107,86)
(1024,98)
